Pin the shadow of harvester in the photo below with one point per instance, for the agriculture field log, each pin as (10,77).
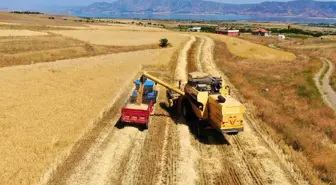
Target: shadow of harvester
(199,129)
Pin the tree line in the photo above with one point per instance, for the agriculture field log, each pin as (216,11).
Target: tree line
(25,12)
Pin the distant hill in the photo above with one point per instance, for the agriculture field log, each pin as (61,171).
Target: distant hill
(304,8)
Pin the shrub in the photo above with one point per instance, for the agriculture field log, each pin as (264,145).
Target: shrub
(163,43)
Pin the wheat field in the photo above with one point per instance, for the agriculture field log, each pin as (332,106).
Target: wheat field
(121,38)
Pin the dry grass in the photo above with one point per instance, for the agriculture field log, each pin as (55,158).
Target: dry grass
(253,51)
(328,53)
(47,107)
(292,106)
(315,47)
(333,81)
(121,38)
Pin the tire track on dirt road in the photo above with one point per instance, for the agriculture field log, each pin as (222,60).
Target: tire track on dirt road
(160,158)
(326,91)
(188,156)
(154,155)
(257,156)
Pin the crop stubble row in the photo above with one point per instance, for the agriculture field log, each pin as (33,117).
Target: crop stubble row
(264,162)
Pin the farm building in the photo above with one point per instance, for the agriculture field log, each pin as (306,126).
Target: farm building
(224,31)
(195,29)
(261,32)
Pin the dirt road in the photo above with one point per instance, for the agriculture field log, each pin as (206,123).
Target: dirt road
(327,92)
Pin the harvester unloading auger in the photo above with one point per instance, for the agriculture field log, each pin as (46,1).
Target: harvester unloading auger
(203,98)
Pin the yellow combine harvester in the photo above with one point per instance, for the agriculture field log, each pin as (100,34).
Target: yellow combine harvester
(204,98)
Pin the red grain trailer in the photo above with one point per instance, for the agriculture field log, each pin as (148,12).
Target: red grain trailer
(137,114)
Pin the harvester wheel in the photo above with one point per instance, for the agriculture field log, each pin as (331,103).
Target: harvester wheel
(233,133)
(187,111)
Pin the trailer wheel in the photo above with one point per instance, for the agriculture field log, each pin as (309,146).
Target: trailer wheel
(120,124)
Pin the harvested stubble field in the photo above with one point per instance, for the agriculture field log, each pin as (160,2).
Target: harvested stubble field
(48,48)
(245,49)
(291,105)
(120,38)
(128,27)
(13,33)
(48,107)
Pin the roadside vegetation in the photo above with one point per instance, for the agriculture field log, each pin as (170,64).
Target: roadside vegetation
(291,105)
(326,69)
(333,81)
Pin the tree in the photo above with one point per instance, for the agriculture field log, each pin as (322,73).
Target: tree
(163,43)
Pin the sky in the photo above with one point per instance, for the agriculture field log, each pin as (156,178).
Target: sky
(35,3)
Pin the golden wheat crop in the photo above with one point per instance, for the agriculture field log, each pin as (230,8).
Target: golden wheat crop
(121,38)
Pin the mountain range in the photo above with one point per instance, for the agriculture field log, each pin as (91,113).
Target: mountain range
(303,8)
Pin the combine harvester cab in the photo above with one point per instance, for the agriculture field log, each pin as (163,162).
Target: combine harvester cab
(139,114)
